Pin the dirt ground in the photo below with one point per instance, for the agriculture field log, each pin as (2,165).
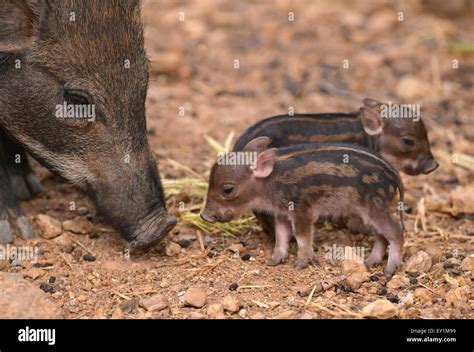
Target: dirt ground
(229,64)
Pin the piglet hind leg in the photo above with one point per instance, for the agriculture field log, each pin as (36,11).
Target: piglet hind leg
(392,231)
(304,238)
(283,231)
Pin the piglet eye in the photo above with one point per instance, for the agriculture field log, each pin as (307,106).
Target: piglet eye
(408,142)
(228,190)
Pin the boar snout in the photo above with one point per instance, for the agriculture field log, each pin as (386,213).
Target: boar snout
(131,198)
(151,229)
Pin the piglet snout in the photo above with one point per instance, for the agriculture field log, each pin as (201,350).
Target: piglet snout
(207,217)
(430,165)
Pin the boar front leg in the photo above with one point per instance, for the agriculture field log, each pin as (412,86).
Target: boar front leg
(23,180)
(283,232)
(11,215)
(6,233)
(304,238)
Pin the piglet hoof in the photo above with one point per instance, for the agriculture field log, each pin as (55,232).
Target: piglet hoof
(274,260)
(25,228)
(152,236)
(6,234)
(389,271)
(369,264)
(301,264)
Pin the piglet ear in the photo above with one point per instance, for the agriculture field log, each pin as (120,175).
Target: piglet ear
(19,22)
(371,121)
(371,103)
(264,164)
(257,144)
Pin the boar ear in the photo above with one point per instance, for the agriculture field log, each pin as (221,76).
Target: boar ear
(371,103)
(257,144)
(264,164)
(371,121)
(19,22)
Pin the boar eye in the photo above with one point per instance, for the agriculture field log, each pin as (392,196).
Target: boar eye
(74,98)
(228,190)
(408,142)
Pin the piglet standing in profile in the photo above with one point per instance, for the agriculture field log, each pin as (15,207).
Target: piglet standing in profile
(298,184)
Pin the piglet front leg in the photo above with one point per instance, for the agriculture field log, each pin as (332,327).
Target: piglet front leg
(282,239)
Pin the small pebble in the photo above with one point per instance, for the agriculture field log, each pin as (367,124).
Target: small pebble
(414,274)
(195,297)
(68,248)
(89,216)
(162,251)
(77,253)
(207,240)
(346,288)
(449,180)
(184,243)
(82,210)
(374,278)
(245,256)
(46,287)
(393,298)
(233,286)
(52,279)
(243,243)
(382,291)
(448,265)
(59,208)
(456,272)
(413,280)
(211,254)
(88,257)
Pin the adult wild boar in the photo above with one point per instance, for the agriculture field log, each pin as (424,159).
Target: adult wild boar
(59,59)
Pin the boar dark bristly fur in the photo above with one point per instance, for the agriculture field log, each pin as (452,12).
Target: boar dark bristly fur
(91,53)
(298,184)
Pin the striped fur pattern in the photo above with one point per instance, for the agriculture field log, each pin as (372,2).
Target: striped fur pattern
(286,130)
(306,181)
